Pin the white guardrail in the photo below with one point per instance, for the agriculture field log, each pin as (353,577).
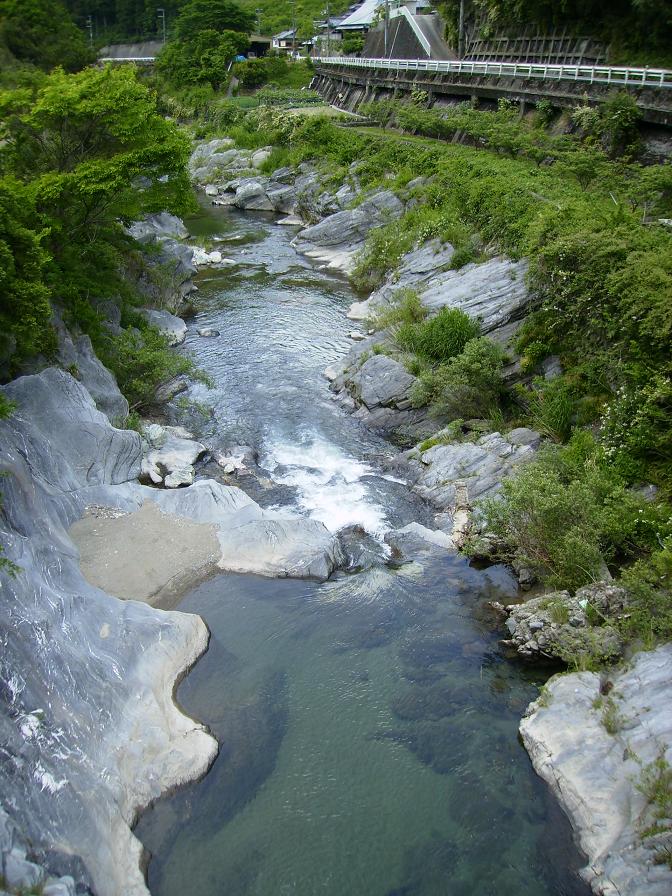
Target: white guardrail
(619,77)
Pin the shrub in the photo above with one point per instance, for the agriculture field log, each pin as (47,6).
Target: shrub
(406,308)
(649,586)
(470,383)
(566,513)
(441,337)
(551,408)
(141,362)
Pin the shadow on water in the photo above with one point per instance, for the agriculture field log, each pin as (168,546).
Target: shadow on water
(368,725)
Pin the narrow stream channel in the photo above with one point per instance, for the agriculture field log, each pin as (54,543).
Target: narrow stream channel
(368,725)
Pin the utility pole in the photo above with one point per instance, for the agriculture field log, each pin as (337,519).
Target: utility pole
(161,17)
(89,28)
(328,30)
(387,26)
(293,29)
(460,38)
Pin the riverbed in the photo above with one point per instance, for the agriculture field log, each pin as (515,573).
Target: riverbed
(368,725)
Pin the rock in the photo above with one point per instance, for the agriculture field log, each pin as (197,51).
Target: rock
(493,292)
(76,355)
(201,257)
(551,367)
(209,333)
(523,436)
(381,381)
(282,197)
(90,731)
(252,195)
(415,538)
(260,157)
(19,873)
(283,175)
(277,547)
(155,434)
(557,626)
(357,336)
(594,774)
(211,190)
(167,391)
(179,476)
(159,227)
(171,461)
(63,887)
(291,221)
(480,466)
(174,328)
(338,238)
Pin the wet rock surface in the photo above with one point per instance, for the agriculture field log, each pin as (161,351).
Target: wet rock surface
(592,754)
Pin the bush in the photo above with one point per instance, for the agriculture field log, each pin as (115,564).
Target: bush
(566,514)
(141,362)
(441,337)
(551,407)
(470,384)
(406,308)
(649,586)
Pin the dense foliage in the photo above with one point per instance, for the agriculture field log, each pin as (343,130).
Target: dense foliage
(635,24)
(42,33)
(82,155)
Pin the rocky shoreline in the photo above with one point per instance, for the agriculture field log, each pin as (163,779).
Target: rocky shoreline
(88,745)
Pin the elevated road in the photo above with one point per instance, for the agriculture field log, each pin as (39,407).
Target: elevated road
(349,81)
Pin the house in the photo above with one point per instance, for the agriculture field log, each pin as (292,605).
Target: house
(285,41)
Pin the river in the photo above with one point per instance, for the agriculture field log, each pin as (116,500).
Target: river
(368,725)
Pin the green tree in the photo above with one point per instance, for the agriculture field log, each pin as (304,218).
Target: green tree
(211,15)
(25,309)
(204,58)
(41,32)
(91,154)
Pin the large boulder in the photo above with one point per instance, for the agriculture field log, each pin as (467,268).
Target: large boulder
(480,466)
(170,326)
(160,226)
(251,195)
(381,381)
(596,739)
(169,456)
(76,354)
(494,292)
(338,238)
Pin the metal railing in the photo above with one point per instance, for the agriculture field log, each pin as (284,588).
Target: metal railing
(599,74)
(127,59)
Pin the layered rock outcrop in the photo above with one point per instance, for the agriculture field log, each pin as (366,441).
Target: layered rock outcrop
(603,745)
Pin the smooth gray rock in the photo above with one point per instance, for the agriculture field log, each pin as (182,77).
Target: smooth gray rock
(480,466)
(381,381)
(76,354)
(260,156)
(594,774)
(19,873)
(174,328)
(493,292)
(252,195)
(338,238)
(89,728)
(159,227)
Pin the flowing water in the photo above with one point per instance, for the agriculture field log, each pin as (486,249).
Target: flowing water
(368,725)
